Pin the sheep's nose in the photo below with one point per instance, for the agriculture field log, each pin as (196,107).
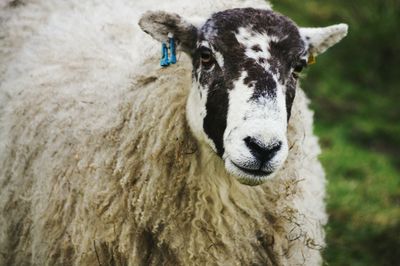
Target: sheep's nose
(262,152)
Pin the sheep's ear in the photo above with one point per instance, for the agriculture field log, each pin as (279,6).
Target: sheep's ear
(158,24)
(320,39)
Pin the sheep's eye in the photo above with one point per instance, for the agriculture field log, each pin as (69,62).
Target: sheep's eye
(206,57)
(299,67)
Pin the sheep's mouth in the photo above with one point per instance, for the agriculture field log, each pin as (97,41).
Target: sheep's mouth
(258,172)
(250,177)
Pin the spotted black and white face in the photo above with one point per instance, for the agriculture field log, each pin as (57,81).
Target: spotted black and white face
(245,70)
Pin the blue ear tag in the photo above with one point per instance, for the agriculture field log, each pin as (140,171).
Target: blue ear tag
(172,48)
(164,62)
(164,55)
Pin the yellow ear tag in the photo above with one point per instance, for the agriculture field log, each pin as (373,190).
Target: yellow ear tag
(311,59)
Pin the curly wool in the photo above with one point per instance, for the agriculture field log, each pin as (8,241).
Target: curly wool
(98,165)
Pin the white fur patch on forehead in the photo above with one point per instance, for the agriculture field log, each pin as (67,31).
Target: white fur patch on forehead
(257,45)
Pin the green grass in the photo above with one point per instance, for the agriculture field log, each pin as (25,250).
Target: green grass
(363,202)
(354,89)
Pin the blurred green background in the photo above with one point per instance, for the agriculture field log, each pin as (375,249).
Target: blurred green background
(355,93)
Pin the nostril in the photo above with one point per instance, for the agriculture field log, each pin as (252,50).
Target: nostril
(260,151)
(254,146)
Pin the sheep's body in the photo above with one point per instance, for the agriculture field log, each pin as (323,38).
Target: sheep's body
(98,165)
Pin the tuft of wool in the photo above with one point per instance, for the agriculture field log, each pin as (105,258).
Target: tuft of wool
(98,165)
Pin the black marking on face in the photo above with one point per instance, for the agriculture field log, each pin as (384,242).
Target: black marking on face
(217,109)
(220,33)
(284,56)
(256,48)
(300,66)
(264,84)
(290,94)
(262,60)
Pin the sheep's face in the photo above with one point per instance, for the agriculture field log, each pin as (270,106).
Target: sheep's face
(245,66)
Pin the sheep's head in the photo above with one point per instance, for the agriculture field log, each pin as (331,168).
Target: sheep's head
(245,70)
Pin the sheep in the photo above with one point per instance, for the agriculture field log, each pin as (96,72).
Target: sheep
(107,158)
